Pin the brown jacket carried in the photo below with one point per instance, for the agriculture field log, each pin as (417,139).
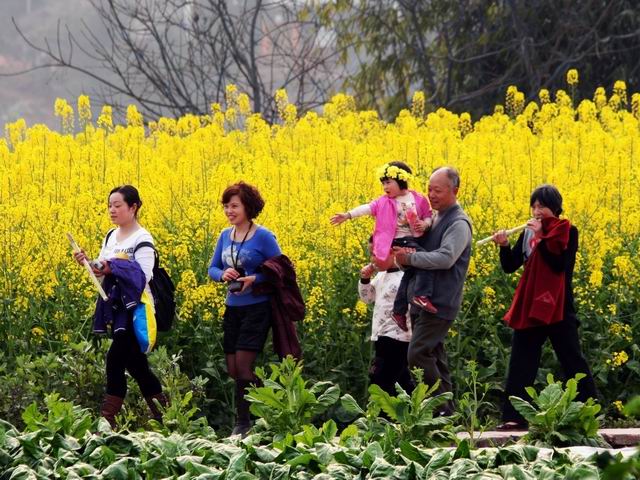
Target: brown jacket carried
(287,305)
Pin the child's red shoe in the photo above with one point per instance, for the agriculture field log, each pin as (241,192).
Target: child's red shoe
(424,303)
(401,321)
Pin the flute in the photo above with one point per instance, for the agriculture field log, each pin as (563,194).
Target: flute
(511,231)
(92,275)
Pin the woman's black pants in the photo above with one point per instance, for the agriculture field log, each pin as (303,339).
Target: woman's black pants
(526,350)
(124,354)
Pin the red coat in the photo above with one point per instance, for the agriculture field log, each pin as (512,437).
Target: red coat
(540,294)
(287,305)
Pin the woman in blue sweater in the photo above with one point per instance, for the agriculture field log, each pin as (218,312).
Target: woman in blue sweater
(240,251)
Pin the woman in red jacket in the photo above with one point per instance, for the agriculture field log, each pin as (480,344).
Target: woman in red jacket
(543,304)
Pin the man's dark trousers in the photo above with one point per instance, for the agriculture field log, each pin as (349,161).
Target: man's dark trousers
(426,351)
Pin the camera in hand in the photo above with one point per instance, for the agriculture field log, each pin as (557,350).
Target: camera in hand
(235,285)
(97,264)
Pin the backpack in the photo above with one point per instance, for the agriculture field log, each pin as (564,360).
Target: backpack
(162,289)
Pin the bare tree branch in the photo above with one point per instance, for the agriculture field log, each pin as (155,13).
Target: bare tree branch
(176,56)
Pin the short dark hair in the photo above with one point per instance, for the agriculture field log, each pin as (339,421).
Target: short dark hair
(548,196)
(403,184)
(249,196)
(130,195)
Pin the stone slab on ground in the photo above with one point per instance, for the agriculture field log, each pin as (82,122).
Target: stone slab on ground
(616,437)
(621,437)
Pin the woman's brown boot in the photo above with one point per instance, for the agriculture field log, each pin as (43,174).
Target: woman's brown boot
(156,414)
(111,405)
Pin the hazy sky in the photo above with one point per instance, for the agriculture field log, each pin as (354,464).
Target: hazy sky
(32,95)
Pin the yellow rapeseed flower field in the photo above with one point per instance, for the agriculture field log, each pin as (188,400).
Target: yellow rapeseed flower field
(309,167)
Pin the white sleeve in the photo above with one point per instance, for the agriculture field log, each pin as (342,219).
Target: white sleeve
(145,257)
(361,211)
(367,291)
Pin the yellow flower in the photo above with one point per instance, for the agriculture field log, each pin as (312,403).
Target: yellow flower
(465,125)
(518,101)
(619,405)
(600,98)
(620,89)
(290,114)
(282,100)
(37,331)
(134,118)
(418,104)
(544,96)
(59,107)
(84,109)
(361,308)
(595,279)
(244,105)
(65,111)
(572,77)
(514,101)
(230,115)
(489,293)
(618,359)
(392,171)
(615,102)
(104,120)
(231,96)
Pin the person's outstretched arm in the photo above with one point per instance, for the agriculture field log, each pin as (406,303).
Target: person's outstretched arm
(360,211)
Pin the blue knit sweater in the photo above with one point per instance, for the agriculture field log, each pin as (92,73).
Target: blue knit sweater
(253,253)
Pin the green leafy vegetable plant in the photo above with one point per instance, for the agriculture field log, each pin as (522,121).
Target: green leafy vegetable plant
(408,416)
(473,401)
(286,401)
(555,419)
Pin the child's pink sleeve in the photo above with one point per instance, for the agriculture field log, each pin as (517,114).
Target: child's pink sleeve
(374,207)
(428,210)
(424,207)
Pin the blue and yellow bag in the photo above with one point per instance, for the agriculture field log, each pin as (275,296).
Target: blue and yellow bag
(144,323)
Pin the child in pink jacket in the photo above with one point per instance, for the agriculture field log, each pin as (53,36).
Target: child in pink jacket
(401,216)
